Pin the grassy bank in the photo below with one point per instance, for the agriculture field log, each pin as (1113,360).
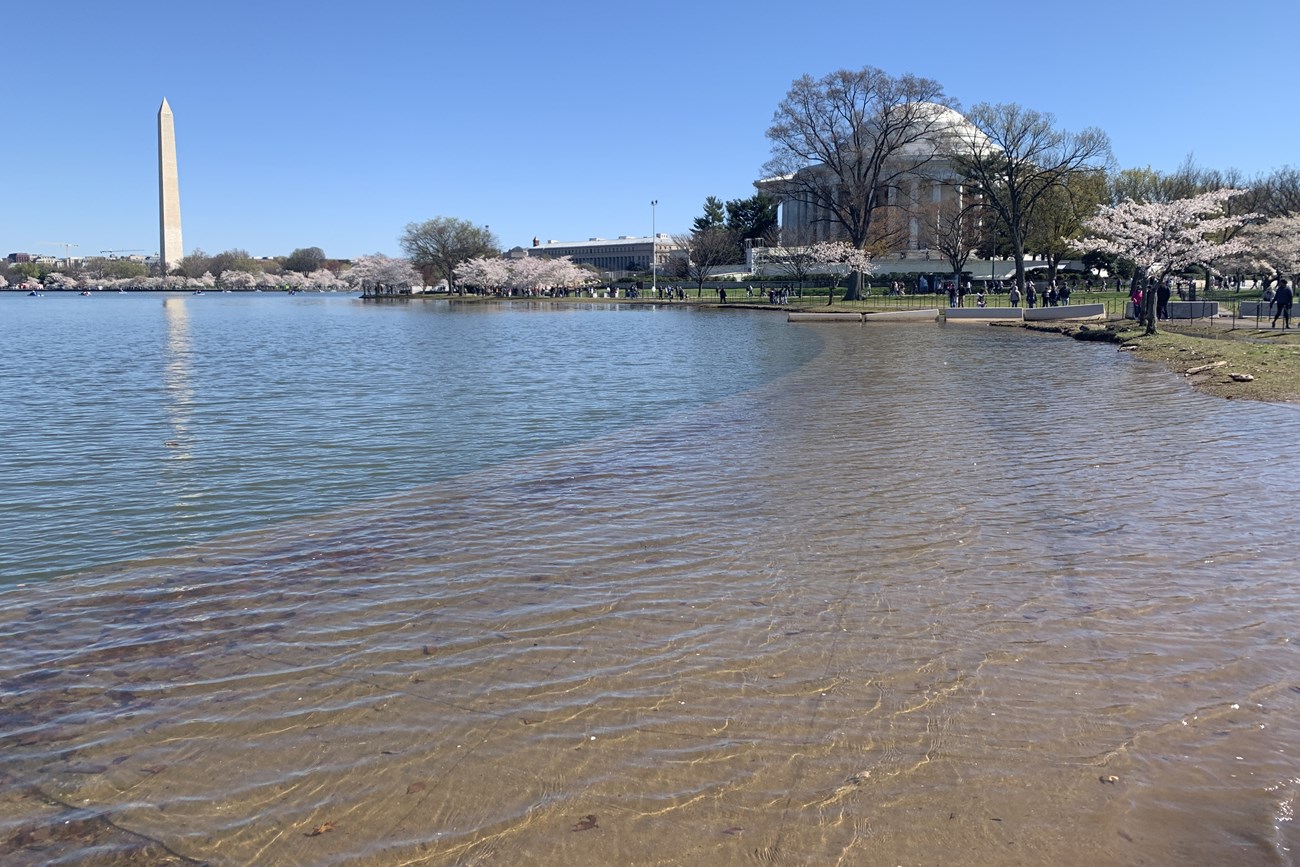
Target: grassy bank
(1243,364)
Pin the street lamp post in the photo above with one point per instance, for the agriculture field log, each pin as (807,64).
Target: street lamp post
(654,249)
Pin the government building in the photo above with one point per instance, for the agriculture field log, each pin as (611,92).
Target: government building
(925,190)
(625,253)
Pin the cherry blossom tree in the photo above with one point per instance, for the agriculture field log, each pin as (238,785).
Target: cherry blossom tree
(484,273)
(568,274)
(529,276)
(1273,247)
(324,278)
(1277,243)
(239,280)
(560,273)
(293,281)
(379,274)
(850,257)
(59,281)
(1164,238)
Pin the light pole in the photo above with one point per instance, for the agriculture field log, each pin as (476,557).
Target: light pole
(654,249)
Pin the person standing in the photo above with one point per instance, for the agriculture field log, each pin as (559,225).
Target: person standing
(1135,298)
(1030,295)
(1162,300)
(1283,299)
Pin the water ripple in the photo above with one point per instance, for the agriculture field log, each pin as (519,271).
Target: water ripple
(867,610)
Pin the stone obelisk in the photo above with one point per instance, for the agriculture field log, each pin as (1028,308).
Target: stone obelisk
(169,192)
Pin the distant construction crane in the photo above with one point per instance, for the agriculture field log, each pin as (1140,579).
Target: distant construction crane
(67,250)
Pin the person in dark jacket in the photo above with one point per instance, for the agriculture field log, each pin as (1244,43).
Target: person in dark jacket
(1282,301)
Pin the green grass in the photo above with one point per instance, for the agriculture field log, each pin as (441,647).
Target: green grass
(1270,358)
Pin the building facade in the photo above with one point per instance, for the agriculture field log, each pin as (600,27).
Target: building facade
(924,189)
(625,253)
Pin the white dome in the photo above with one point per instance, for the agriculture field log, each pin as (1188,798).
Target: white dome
(946,130)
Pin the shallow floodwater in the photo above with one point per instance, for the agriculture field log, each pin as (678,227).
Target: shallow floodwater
(925,595)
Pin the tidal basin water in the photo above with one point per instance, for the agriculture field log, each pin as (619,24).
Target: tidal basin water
(314,581)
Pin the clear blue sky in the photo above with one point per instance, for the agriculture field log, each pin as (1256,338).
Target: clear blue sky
(306,124)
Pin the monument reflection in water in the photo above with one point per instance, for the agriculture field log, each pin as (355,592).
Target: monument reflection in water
(921,594)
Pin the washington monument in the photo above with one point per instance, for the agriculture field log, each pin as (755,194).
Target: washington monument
(169,192)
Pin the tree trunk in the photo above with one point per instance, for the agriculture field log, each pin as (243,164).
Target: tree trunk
(1149,306)
(853,292)
(1019,256)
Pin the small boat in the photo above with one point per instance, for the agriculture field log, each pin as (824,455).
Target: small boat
(198,291)
(85,293)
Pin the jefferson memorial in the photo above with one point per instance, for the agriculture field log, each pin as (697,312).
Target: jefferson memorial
(924,194)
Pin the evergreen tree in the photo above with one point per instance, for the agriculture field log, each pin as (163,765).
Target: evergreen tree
(753,218)
(715,216)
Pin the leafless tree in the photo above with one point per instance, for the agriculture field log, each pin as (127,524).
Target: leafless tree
(955,227)
(1014,156)
(843,143)
(794,259)
(1281,192)
(703,251)
(437,246)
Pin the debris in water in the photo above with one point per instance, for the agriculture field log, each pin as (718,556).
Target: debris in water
(416,787)
(1110,778)
(586,823)
(322,828)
